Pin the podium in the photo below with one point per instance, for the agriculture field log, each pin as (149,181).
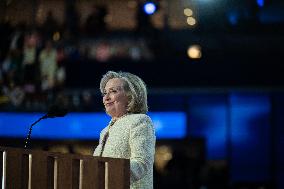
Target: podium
(34,169)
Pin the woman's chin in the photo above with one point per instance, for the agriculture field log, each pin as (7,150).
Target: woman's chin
(110,113)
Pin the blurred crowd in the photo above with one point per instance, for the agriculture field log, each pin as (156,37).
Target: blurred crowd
(33,58)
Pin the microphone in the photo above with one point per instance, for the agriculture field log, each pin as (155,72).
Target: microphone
(55,110)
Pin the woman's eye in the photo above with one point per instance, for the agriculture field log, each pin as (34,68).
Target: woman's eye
(110,92)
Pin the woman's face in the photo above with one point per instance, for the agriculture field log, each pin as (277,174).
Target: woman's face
(115,98)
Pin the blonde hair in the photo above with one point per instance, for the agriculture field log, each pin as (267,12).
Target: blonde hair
(134,87)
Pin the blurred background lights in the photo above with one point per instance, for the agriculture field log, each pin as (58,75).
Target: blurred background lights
(191,21)
(194,52)
(162,156)
(150,8)
(187,12)
(260,3)
(233,18)
(56,36)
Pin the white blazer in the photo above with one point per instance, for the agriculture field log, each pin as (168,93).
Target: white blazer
(132,137)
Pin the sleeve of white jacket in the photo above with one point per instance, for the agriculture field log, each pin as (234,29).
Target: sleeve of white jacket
(142,145)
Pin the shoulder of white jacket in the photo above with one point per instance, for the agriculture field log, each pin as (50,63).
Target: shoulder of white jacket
(139,116)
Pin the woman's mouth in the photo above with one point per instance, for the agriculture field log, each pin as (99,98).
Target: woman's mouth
(108,104)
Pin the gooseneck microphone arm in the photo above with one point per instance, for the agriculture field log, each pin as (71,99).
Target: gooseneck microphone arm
(54,111)
(27,140)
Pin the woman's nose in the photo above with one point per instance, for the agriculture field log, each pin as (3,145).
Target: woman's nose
(106,97)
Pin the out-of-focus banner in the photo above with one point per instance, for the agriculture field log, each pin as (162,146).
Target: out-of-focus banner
(83,125)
